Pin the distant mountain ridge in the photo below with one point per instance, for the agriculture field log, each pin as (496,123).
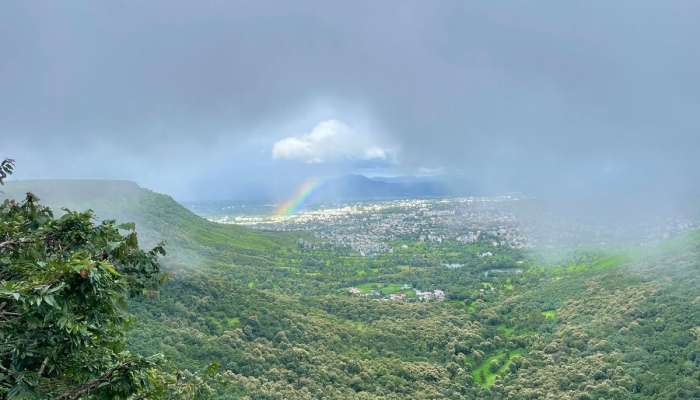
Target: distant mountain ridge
(360,187)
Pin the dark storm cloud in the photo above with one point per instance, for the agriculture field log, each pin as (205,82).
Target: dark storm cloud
(577,96)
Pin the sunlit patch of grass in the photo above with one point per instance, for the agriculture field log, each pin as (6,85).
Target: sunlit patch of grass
(599,263)
(609,262)
(390,289)
(494,367)
(368,287)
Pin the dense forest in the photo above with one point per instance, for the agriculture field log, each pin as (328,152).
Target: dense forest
(232,313)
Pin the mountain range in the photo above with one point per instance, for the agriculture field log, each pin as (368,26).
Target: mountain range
(360,187)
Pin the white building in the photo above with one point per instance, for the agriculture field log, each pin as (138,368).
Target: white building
(439,295)
(424,295)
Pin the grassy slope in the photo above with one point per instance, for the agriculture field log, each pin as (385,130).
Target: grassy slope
(159,218)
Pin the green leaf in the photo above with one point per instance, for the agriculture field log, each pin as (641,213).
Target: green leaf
(109,268)
(51,301)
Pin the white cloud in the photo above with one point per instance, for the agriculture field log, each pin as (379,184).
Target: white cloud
(329,141)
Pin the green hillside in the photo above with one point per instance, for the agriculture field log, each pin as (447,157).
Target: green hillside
(158,218)
(628,330)
(252,315)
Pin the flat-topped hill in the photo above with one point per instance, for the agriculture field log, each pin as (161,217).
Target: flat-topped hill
(158,217)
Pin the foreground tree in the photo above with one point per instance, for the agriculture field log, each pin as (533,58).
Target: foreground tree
(63,288)
(7,166)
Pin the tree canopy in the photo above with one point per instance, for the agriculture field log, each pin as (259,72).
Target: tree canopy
(64,282)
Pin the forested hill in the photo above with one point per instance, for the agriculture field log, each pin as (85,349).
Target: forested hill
(158,217)
(255,315)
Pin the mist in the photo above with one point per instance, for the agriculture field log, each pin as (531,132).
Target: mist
(593,107)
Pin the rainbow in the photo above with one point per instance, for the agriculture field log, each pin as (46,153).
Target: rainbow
(296,202)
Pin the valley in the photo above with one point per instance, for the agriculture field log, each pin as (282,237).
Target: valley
(327,200)
(295,308)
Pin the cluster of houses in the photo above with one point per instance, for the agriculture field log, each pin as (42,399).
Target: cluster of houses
(435,295)
(369,227)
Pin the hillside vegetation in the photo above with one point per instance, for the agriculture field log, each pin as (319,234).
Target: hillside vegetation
(256,315)
(158,218)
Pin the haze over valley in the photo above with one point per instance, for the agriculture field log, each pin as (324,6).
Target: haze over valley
(361,200)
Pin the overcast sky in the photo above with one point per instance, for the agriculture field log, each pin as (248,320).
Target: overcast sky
(205,99)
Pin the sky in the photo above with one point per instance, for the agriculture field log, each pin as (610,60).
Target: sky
(221,99)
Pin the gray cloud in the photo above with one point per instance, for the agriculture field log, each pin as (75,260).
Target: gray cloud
(544,97)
